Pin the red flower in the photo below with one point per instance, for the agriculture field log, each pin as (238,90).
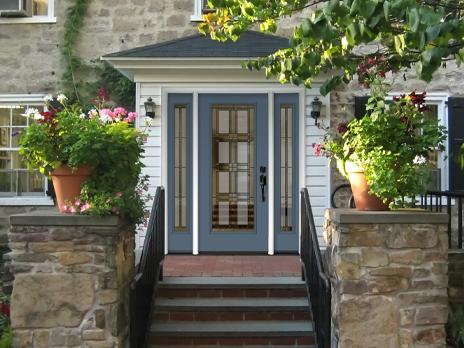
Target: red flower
(5,309)
(342,128)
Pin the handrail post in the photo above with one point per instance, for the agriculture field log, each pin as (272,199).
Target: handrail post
(316,278)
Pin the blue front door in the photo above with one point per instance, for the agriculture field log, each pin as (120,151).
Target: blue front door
(233,172)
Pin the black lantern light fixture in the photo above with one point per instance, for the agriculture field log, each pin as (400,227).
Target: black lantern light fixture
(316,109)
(150,106)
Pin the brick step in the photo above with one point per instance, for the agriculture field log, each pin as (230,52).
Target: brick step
(230,287)
(233,309)
(216,345)
(232,332)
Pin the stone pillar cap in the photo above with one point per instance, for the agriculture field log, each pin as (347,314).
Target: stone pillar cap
(51,218)
(400,216)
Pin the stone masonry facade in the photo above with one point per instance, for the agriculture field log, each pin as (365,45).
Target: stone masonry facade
(72,277)
(389,276)
(456,277)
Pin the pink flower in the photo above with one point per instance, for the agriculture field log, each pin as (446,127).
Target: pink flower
(119,194)
(115,210)
(131,117)
(107,113)
(72,209)
(120,111)
(85,207)
(77,202)
(317,149)
(65,208)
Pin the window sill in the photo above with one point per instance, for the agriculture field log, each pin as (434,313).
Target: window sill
(28,20)
(23,201)
(196,18)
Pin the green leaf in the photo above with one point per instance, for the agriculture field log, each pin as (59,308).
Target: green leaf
(367,7)
(306,27)
(330,84)
(414,20)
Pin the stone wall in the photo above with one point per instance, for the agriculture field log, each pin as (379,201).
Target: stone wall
(72,276)
(389,278)
(456,277)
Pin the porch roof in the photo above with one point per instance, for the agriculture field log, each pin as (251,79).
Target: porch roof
(250,45)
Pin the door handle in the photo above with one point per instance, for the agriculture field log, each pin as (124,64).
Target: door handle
(263,182)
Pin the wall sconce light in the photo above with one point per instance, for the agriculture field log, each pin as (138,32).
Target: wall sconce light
(316,109)
(150,106)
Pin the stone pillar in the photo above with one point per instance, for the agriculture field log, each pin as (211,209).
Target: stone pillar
(72,276)
(456,277)
(389,278)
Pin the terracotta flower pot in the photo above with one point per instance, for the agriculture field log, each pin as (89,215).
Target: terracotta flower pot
(67,183)
(362,198)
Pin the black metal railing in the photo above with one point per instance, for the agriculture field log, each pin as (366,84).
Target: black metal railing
(149,271)
(315,275)
(451,203)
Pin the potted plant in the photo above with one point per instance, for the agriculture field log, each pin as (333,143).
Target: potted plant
(93,157)
(385,153)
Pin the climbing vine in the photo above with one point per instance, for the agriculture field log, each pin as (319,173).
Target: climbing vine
(120,88)
(72,26)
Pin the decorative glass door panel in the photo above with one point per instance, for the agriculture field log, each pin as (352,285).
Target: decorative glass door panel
(286,172)
(286,166)
(233,168)
(233,162)
(179,181)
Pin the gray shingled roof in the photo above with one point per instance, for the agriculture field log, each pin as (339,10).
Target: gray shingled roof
(251,44)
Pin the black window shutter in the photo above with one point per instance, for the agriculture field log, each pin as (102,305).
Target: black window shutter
(360,106)
(455,141)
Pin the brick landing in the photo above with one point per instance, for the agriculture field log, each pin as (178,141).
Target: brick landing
(231,266)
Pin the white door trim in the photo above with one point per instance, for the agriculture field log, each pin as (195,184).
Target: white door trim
(270,173)
(269,89)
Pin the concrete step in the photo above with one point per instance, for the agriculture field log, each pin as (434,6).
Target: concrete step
(230,287)
(232,282)
(232,333)
(219,346)
(231,304)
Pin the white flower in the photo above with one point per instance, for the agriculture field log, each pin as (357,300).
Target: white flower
(48,98)
(93,113)
(61,98)
(420,160)
(104,118)
(82,115)
(148,121)
(34,113)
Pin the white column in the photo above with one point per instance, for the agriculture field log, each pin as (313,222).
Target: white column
(270,173)
(195,176)
(164,162)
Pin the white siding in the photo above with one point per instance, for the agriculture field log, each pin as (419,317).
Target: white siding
(317,175)
(152,159)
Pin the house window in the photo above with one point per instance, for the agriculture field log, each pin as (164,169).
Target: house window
(15,179)
(201,6)
(27,11)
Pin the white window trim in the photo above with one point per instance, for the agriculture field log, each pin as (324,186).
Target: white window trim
(441,100)
(24,200)
(197,12)
(50,18)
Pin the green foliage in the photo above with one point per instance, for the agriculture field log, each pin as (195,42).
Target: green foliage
(406,32)
(392,143)
(72,26)
(122,89)
(461,156)
(456,325)
(6,341)
(6,335)
(102,138)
